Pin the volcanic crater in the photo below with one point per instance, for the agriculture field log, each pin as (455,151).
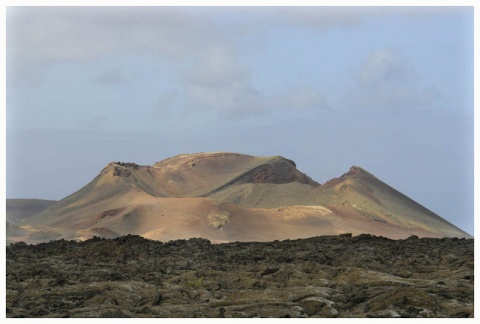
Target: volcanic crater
(265,198)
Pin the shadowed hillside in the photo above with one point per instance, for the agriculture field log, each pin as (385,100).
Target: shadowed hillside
(21,209)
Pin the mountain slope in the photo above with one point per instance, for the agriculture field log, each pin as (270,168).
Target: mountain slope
(193,175)
(356,193)
(361,190)
(233,197)
(19,209)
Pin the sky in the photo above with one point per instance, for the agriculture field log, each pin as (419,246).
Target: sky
(389,89)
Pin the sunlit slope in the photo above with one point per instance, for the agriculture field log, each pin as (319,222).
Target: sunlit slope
(364,192)
(194,175)
(125,196)
(356,193)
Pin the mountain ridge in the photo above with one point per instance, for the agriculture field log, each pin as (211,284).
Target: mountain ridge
(226,196)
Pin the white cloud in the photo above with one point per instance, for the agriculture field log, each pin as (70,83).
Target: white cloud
(237,100)
(327,17)
(111,77)
(216,67)
(218,81)
(213,77)
(320,19)
(205,46)
(385,66)
(386,80)
(41,35)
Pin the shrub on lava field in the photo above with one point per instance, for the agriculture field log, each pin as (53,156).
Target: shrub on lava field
(195,283)
(218,220)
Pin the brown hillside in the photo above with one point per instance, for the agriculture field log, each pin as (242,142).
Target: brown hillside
(19,209)
(232,197)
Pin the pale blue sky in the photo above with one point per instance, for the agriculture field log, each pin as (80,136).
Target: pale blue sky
(388,89)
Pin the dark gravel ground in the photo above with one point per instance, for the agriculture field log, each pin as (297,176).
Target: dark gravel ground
(329,276)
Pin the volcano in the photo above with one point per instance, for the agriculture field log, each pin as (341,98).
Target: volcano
(226,197)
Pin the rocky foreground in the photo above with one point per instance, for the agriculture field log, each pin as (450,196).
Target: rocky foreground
(329,276)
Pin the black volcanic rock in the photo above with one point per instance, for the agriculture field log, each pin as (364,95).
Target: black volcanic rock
(327,276)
